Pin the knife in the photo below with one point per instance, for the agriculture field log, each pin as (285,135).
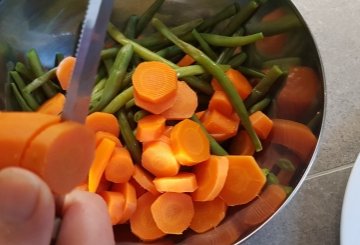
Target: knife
(87,60)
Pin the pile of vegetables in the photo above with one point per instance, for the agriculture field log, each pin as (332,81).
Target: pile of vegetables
(188,122)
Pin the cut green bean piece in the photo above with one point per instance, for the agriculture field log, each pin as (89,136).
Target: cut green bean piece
(271,179)
(204,45)
(220,76)
(24,71)
(216,148)
(286,23)
(40,81)
(283,63)
(194,70)
(119,101)
(109,53)
(130,28)
(265,171)
(227,53)
(140,114)
(263,87)
(30,100)
(237,60)
(99,86)
(251,72)
(129,138)
(240,18)
(285,164)
(147,16)
(225,13)
(130,104)
(260,106)
(22,103)
(231,42)
(108,63)
(169,52)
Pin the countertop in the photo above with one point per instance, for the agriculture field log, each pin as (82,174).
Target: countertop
(313,215)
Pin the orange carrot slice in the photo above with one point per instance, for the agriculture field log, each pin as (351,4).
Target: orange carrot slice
(241,144)
(295,136)
(186,61)
(61,155)
(17,131)
(211,176)
(173,212)
(129,193)
(244,181)
(159,160)
(150,128)
(261,123)
(208,215)
(154,81)
(186,102)
(54,105)
(142,223)
(102,121)
(120,167)
(100,135)
(103,154)
(144,180)
(64,71)
(189,143)
(115,204)
(220,102)
(155,108)
(182,182)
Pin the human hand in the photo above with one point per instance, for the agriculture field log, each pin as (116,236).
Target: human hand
(27,213)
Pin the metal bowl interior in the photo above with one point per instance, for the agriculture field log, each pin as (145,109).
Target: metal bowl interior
(53,26)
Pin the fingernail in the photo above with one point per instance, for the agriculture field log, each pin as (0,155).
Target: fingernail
(19,192)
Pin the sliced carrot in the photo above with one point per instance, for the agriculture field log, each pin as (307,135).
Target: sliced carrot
(64,71)
(17,130)
(242,85)
(115,204)
(208,215)
(103,154)
(100,135)
(144,180)
(182,182)
(241,144)
(173,212)
(220,102)
(218,124)
(261,123)
(298,95)
(186,102)
(54,105)
(129,193)
(154,81)
(211,176)
(186,61)
(150,128)
(120,167)
(61,155)
(295,136)
(200,114)
(155,108)
(142,223)
(244,181)
(159,160)
(167,131)
(102,121)
(189,143)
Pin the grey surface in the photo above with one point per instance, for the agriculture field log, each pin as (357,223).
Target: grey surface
(313,216)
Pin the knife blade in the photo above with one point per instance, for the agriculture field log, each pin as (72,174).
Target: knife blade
(87,60)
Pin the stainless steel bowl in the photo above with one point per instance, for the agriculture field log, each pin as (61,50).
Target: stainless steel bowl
(52,26)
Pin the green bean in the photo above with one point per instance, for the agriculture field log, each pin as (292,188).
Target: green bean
(240,18)
(262,88)
(24,71)
(36,67)
(130,28)
(101,74)
(108,53)
(285,164)
(140,114)
(288,190)
(195,70)
(22,103)
(99,86)
(130,118)
(30,100)
(251,72)
(147,16)
(216,148)
(58,58)
(283,63)
(170,51)
(220,76)
(40,81)
(231,42)
(260,106)
(113,84)
(237,60)
(128,136)
(158,39)
(130,104)
(227,53)
(265,171)
(127,80)
(108,64)
(271,179)
(223,14)
(284,24)
(146,54)
(95,98)
(119,101)
(204,45)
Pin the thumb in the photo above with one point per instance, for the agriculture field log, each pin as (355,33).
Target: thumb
(27,208)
